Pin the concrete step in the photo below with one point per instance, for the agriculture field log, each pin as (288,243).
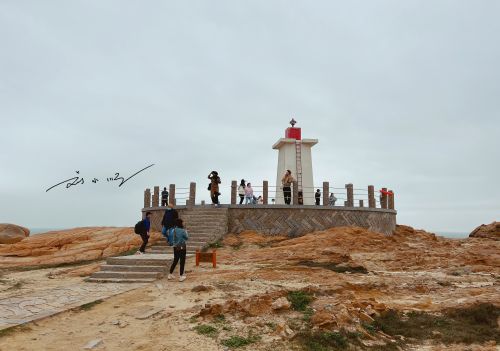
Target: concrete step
(140,260)
(133,268)
(119,280)
(127,275)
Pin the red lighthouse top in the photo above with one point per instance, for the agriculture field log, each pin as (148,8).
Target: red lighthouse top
(292,132)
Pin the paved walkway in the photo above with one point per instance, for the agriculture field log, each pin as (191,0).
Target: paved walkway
(19,310)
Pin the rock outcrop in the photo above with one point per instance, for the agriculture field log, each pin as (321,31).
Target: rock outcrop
(491,231)
(11,233)
(68,246)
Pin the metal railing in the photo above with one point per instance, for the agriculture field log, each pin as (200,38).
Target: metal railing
(348,196)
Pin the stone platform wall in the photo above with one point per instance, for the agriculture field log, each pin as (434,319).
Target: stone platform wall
(295,220)
(299,220)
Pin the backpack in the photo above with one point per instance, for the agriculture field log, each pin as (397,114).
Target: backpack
(140,227)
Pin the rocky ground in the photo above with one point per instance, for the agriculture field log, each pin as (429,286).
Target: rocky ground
(340,289)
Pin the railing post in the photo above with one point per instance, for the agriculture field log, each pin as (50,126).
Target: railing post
(326,189)
(383,198)
(391,200)
(295,199)
(361,203)
(265,192)
(192,194)
(234,186)
(371,196)
(350,195)
(171,194)
(147,198)
(156,196)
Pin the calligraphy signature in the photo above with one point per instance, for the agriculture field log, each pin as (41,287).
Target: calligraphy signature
(77,180)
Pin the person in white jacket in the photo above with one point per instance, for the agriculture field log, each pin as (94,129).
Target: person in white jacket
(241,191)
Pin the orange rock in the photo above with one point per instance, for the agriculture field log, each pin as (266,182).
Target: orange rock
(72,245)
(491,231)
(11,233)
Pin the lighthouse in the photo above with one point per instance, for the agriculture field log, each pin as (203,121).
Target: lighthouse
(295,155)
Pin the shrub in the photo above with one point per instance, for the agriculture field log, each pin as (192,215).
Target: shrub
(299,300)
(205,329)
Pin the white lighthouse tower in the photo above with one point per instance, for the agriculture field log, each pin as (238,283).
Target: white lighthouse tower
(295,155)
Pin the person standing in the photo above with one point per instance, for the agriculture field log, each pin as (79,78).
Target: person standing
(180,236)
(241,191)
(145,234)
(214,187)
(248,194)
(332,199)
(164,197)
(169,218)
(286,182)
(317,197)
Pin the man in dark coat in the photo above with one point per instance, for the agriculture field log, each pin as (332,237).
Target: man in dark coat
(170,217)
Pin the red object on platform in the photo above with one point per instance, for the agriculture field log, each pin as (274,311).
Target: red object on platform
(293,133)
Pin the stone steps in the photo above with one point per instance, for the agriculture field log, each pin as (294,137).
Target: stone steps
(203,226)
(133,269)
(141,260)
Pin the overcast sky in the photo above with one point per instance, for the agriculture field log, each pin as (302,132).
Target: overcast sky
(401,94)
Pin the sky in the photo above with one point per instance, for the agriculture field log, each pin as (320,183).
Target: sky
(400,94)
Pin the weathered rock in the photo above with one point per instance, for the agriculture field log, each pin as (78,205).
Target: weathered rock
(281,304)
(11,233)
(491,231)
(73,245)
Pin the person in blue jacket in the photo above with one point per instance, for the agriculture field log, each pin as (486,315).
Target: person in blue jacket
(180,236)
(145,234)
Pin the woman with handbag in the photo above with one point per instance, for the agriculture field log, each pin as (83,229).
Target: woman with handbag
(180,236)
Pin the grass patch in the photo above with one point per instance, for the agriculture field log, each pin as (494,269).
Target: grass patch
(299,300)
(220,318)
(370,328)
(216,244)
(476,324)
(205,329)
(239,341)
(271,325)
(308,313)
(334,267)
(11,330)
(90,305)
(322,341)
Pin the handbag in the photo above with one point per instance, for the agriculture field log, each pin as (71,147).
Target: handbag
(209,186)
